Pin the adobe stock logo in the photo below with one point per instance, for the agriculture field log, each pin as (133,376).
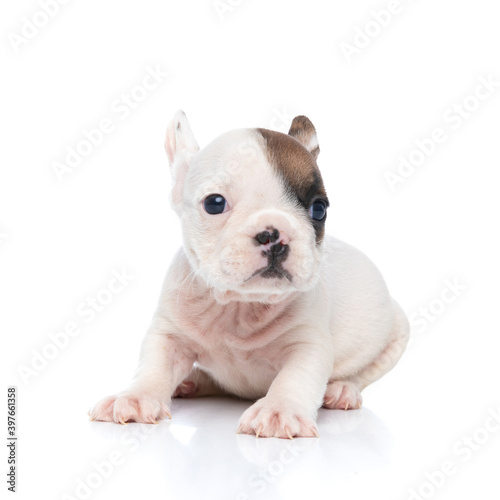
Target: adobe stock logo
(290,452)
(223,7)
(32,26)
(453,117)
(102,470)
(427,314)
(364,35)
(281,120)
(121,108)
(88,310)
(463,450)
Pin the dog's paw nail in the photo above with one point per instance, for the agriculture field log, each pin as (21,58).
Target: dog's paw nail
(130,407)
(342,395)
(274,419)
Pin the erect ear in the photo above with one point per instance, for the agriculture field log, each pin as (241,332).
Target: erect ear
(180,145)
(303,130)
(180,138)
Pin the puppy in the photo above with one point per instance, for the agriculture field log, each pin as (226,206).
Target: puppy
(258,302)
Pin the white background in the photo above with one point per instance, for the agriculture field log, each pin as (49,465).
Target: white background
(256,64)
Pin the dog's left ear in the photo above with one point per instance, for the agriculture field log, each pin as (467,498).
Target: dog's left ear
(180,145)
(180,138)
(303,130)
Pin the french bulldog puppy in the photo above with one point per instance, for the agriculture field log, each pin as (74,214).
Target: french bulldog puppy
(259,303)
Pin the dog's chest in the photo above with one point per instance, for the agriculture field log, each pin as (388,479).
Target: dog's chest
(240,344)
(237,325)
(239,330)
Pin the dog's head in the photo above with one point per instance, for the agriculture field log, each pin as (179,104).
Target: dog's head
(252,206)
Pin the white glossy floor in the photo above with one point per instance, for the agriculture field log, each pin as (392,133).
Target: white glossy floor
(414,426)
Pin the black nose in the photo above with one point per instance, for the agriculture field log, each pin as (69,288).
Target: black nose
(266,237)
(277,251)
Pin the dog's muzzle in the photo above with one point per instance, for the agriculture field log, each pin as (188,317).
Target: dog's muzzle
(274,245)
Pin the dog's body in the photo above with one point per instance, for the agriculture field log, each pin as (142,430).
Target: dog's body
(258,303)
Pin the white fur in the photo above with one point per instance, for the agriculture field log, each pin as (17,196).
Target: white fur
(317,339)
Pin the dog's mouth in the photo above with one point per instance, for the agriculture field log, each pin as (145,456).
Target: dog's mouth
(272,271)
(276,255)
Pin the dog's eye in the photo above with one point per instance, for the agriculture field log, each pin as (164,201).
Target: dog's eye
(317,210)
(215,204)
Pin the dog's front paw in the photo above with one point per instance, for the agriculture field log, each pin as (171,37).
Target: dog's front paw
(342,395)
(269,419)
(130,407)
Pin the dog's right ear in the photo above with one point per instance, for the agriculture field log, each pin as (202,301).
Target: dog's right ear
(303,130)
(180,145)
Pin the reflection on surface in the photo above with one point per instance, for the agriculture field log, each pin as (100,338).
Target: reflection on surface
(199,451)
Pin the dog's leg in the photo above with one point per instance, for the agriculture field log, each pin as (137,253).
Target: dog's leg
(289,409)
(198,384)
(346,394)
(164,362)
